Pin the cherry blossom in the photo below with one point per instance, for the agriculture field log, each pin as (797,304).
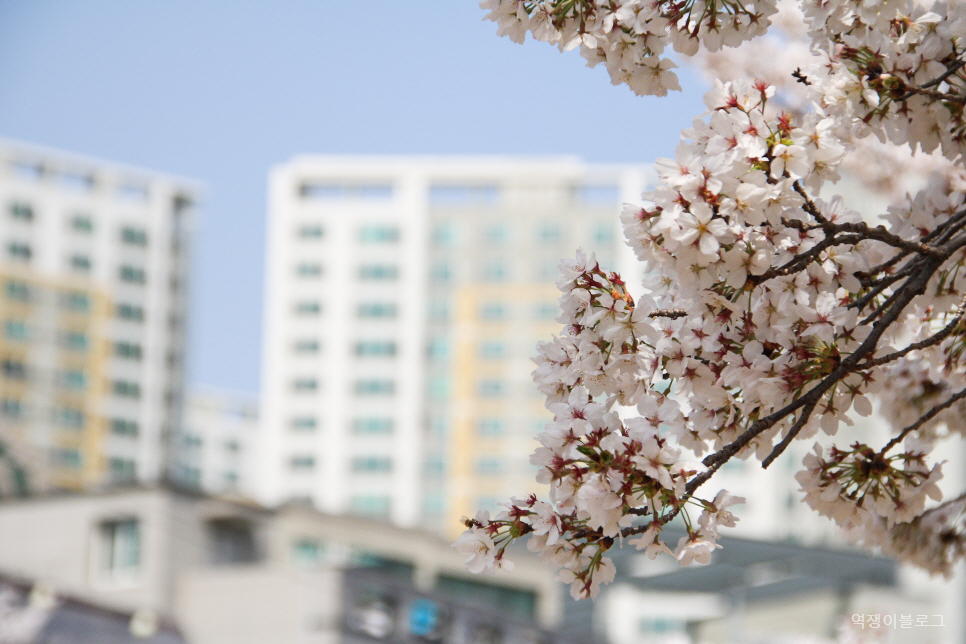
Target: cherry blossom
(770,310)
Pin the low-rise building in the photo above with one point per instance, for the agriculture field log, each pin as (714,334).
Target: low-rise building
(228,572)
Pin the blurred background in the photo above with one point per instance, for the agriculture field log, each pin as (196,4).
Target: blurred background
(271,277)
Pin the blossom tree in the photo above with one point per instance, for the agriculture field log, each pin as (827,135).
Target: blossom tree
(770,310)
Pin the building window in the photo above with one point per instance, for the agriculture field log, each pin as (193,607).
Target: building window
(379,234)
(308,308)
(307,552)
(491,388)
(304,423)
(442,272)
(372,348)
(124,427)
(74,379)
(375,387)
(15,330)
(371,464)
(547,311)
(75,341)
(126,389)
(76,182)
(377,310)
(489,466)
(303,462)
(549,233)
(603,233)
(490,427)
(493,349)
(496,234)
(307,346)
(190,476)
(493,311)
(130,312)
(120,544)
(439,310)
(438,388)
(13,369)
(444,235)
(70,417)
(494,271)
(311,231)
(67,457)
(358,191)
(18,291)
(434,465)
(309,269)
(232,541)
(19,251)
(457,194)
(437,349)
(22,211)
(132,275)
(26,170)
(370,504)
(122,470)
(384,272)
(11,408)
(132,192)
(81,263)
(305,384)
(372,425)
(598,194)
(128,350)
(76,301)
(82,224)
(134,236)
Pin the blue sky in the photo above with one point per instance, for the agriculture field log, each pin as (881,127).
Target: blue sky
(219,91)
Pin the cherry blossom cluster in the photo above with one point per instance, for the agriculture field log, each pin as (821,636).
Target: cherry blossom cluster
(771,312)
(608,478)
(630,36)
(884,169)
(895,66)
(860,484)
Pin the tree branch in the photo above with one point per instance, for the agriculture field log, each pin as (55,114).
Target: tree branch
(929,415)
(941,335)
(668,313)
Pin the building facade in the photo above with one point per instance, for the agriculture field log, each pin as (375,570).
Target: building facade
(226,572)
(404,299)
(93,272)
(216,449)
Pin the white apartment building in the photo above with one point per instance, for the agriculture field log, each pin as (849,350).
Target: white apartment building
(93,274)
(404,299)
(216,449)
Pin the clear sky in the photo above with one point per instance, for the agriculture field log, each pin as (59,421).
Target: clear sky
(219,91)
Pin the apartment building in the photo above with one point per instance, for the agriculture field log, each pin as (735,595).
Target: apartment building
(404,299)
(93,303)
(216,449)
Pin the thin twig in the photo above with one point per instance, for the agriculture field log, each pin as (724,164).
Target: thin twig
(941,335)
(668,313)
(929,415)
(792,433)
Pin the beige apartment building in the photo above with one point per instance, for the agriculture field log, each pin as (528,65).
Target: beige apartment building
(405,297)
(93,308)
